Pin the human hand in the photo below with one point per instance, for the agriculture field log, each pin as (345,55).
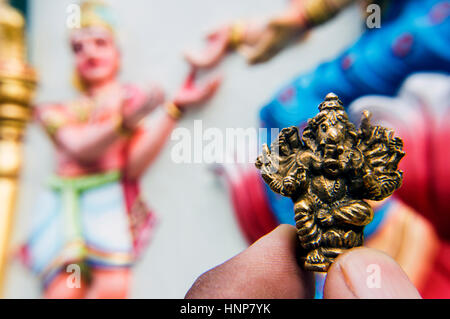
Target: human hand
(269,270)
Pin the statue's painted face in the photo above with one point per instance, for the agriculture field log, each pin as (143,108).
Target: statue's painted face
(96,55)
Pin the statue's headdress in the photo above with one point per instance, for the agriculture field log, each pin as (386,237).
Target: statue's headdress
(96,13)
(331,102)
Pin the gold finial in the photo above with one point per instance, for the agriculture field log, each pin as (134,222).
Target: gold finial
(331,102)
(17,79)
(331,96)
(17,84)
(12,26)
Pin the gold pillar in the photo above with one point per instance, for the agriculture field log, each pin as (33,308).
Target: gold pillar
(17,85)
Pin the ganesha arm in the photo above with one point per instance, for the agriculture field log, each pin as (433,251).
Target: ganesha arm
(145,145)
(280,168)
(310,160)
(381,185)
(382,178)
(268,164)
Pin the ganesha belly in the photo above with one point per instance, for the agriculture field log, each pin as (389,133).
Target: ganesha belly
(329,172)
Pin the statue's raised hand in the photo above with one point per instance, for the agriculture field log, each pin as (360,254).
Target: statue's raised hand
(193,94)
(278,165)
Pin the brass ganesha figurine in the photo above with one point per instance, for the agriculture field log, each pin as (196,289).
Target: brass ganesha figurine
(329,173)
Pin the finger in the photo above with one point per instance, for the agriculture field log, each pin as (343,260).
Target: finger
(196,59)
(367,273)
(212,85)
(209,56)
(265,48)
(267,269)
(219,33)
(195,95)
(260,52)
(190,79)
(208,89)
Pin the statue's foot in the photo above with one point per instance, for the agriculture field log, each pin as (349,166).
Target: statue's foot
(325,218)
(316,261)
(332,253)
(311,241)
(309,234)
(332,238)
(352,239)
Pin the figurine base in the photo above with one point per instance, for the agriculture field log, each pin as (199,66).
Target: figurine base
(322,267)
(328,255)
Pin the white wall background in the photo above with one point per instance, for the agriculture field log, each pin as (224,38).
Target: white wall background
(197,228)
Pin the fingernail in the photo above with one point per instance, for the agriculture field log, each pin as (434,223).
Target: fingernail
(368,273)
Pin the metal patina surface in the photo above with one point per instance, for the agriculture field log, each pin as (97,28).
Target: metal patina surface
(328,172)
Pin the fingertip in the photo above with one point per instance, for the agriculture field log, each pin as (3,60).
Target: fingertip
(190,58)
(268,269)
(367,273)
(215,81)
(284,233)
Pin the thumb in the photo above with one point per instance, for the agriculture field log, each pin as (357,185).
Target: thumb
(367,273)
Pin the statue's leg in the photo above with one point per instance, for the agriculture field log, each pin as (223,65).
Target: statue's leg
(110,283)
(333,243)
(337,241)
(308,231)
(338,238)
(353,212)
(59,288)
(310,235)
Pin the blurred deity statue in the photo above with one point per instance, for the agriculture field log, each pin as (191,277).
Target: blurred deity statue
(259,40)
(414,37)
(92,214)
